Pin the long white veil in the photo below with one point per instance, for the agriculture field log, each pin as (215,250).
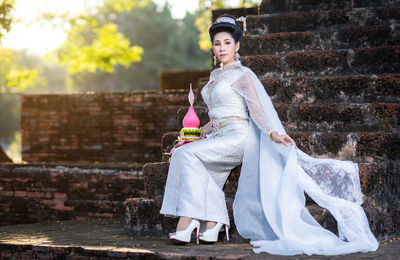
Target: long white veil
(269,206)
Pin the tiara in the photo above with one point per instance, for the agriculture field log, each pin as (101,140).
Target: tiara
(230,20)
(225,19)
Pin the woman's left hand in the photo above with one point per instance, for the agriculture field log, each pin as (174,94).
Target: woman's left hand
(282,139)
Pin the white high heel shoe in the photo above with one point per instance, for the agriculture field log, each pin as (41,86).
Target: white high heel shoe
(183,236)
(211,235)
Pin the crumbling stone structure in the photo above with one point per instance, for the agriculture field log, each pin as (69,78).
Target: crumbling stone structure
(181,79)
(98,127)
(32,193)
(332,69)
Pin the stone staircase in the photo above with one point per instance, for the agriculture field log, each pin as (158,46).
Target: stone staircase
(332,69)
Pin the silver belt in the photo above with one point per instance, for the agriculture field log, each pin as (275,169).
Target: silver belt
(230,120)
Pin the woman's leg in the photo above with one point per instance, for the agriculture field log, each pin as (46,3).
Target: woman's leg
(209,225)
(183,223)
(196,175)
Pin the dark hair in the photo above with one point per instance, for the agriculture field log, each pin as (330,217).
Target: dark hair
(233,29)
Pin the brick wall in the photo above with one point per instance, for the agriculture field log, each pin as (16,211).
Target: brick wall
(98,127)
(30,193)
(181,79)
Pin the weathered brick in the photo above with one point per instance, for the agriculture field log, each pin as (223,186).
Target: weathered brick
(103,120)
(67,192)
(272,6)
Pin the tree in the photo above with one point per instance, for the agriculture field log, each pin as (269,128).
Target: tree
(6,6)
(104,49)
(17,74)
(167,43)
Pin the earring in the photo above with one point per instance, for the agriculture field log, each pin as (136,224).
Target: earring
(215,60)
(237,56)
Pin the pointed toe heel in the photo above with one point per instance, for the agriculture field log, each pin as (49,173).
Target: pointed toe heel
(183,236)
(211,235)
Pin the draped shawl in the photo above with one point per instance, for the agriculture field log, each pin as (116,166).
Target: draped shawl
(269,206)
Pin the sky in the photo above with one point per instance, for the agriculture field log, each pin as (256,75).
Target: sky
(41,38)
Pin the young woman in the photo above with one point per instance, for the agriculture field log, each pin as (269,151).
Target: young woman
(269,206)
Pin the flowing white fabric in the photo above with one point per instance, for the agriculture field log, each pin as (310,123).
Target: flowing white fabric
(269,206)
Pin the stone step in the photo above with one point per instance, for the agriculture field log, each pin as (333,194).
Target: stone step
(378,179)
(384,88)
(295,21)
(323,39)
(168,141)
(106,239)
(143,218)
(276,6)
(381,172)
(358,146)
(339,117)
(375,60)
(33,192)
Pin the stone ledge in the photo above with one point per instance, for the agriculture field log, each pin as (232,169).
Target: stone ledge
(96,238)
(143,218)
(331,89)
(275,6)
(291,21)
(377,180)
(322,39)
(317,63)
(97,127)
(335,89)
(30,193)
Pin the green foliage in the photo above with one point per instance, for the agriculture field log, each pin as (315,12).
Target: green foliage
(203,22)
(124,5)
(9,116)
(6,6)
(108,49)
(167,44)
(21,72)
(95,44)
(22,78)
(18,71)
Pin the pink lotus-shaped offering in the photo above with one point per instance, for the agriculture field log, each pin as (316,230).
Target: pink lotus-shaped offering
(191,122)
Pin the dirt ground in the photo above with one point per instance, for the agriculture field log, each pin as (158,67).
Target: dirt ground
(109,234)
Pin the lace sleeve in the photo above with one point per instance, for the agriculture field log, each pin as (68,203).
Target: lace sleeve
(244,87)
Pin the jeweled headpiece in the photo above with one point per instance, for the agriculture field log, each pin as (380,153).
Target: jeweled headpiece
(228,23)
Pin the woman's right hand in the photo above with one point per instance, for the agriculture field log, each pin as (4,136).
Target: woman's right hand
(282,139)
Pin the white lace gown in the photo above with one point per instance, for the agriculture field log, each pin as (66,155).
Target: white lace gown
(269,206)
(198,170)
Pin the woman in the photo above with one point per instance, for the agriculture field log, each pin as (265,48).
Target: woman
(269,206)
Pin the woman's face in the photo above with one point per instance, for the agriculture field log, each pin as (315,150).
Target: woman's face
(224,47)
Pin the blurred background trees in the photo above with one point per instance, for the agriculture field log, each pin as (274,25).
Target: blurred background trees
(160,42)
(117,45)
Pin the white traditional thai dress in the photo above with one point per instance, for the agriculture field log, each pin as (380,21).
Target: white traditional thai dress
(269,206)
